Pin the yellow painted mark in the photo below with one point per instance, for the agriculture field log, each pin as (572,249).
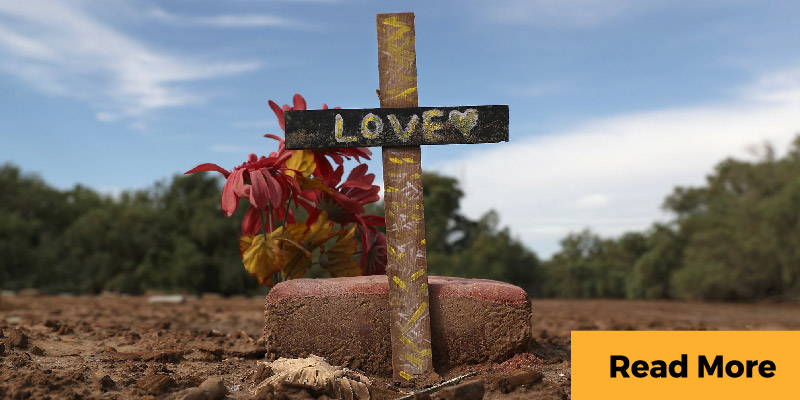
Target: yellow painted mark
(366,132)
(390,212)
(422,288)
(417,315)
(429,126)
(414,360)
(415,176)
(395,160)
(394,205)
(400,283)
(417,206)
(409,79)
(395,174)
(406,341)
(406,375)
(338,131)
(390,189)
(400,52)
(394,252)
(423,241)
(406,92)
(392,21)
(408,159)
(398,129)
(415,217)
(417,275)
(425,353)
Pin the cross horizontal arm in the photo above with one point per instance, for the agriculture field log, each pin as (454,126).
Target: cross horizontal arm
(314,129)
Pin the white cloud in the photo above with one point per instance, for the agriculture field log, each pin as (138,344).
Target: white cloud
(612,174)
(223,21)
(59,47)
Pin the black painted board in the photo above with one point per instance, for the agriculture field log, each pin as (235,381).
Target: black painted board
(316,129)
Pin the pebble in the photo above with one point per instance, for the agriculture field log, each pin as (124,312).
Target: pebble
(470,390)
(37,351)
(106,383)
(509,383)
(156,384)
(2,349)
(210,389)
(173,299)
(18,339)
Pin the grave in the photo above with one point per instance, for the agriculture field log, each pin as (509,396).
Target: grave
(346,321)
(383,324)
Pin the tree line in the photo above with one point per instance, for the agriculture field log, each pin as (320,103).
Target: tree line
(735,238)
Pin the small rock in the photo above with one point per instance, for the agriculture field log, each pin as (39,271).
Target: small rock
(106,383)
(18,339)
(215,388)
(194,393)
(37,351)
(242,335)
(1,333)
(54,325)
(470,390)
(262,372)
(173,299)
(64,330)
(210,389)
(2,349)
(156,384)
(511,382)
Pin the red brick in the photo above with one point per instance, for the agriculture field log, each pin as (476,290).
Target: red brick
(346,321)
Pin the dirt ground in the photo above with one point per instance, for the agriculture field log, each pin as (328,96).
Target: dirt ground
(120,347)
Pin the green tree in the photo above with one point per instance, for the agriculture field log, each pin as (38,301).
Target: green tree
(458,246)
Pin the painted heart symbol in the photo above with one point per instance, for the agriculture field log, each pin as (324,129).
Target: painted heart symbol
(464,121)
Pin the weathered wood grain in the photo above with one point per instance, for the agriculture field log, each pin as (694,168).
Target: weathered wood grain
(407,267)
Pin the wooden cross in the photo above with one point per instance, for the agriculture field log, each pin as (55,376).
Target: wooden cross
(400,127)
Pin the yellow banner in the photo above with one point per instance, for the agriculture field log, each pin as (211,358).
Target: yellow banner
(685,365)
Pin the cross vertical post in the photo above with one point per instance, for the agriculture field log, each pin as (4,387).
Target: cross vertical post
(400,127)
(406,268)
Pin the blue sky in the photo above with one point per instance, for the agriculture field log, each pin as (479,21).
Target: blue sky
(613,103)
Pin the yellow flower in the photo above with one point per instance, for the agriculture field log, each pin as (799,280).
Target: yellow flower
(302,161)
(338,260)
(261,255)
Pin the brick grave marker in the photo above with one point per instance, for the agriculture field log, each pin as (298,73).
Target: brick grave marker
(400,127)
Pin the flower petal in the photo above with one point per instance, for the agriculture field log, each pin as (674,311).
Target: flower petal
(208,167)
(278,113)
(299,102)
(259,194)
(251,223)
(230,201)
(275,193)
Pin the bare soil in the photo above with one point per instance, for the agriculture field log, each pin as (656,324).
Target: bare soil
(121,347)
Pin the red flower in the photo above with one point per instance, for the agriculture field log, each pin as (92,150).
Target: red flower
(323,166)
(260,181)
(345,204)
